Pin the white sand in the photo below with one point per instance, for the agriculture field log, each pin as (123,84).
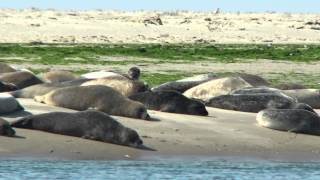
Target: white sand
(51,26)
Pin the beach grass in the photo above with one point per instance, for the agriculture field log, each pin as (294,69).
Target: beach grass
(56,54)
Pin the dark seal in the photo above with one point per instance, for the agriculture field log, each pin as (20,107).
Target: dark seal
(92,125)
(170,101)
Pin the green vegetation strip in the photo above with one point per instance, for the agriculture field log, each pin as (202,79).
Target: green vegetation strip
(173,53)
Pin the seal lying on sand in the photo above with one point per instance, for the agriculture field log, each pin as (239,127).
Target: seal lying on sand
(183,84)
(123,85)
(58,76)
(101,98)
(7,87)
(307,96)
(5,68)
(9,104)
(256,90)
(170,101)
(251,102)
(87,124)
(6,129)
(42,89)
(292,120)
(21,79)
(216,87)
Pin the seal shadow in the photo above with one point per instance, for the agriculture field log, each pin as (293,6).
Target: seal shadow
(19,137)
(146,148)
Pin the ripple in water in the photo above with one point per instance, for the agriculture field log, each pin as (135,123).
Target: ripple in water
(126,170)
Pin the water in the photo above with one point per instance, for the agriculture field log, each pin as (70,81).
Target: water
(126,170)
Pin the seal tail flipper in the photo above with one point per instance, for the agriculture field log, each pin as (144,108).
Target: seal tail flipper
(22,123)
(16,94)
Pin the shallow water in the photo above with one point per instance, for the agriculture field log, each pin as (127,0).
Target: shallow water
(17,169)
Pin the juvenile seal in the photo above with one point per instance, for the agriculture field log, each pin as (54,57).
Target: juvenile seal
(58,76)
(101,98)
(92,125)
(170,101)
(123,85)
(216,87)
(307,96)
(6,129)
(21,79)
(251,102)
(292,120)
(5,68)
(7,87)
(184,84)
(9,104)
(42,89)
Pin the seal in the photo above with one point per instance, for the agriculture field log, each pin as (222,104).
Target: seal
(133,73)
(6,129)
(289,86)
(42,89)
(251,102)
(21,79)
(292,120)
(9,104)
(58,76)
(170,101)
(216,87)
(92,125)
(101,98)
(307,96)
(7,87)
(5,68)
(184,84)
(252,79)
(123,85)
(256,90)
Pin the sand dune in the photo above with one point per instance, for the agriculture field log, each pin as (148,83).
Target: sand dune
(50,26)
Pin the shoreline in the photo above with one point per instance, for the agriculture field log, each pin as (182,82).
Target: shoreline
(175,136)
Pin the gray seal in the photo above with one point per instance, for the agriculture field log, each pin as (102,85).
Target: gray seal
(251,102)
(292,120)
(97,97)
(92,125)
(21,79)
(170,101)
(42,89)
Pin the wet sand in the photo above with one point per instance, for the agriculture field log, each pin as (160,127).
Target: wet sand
(222,134)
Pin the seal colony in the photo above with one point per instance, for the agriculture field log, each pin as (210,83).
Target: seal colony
(98,95)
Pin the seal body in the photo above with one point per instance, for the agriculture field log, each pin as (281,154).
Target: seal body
(123,85)
(256,90)
(170,101)
(292,120)
(253,80)
(216,87)
(307,96)
(6,129)
(184,84)
(87,124)
(100,74)
(5,68)
(96,97)
(58,76)
(21,79)
(7,87)
(251,102)
(42,89)
(9,104)
(289,86)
